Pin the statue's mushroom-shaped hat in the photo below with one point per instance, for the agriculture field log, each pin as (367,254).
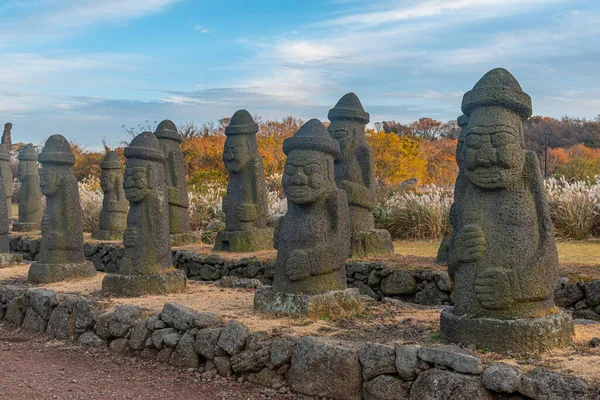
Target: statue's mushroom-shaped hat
(145,146)
(167,130)
(28,153)
(57,151)
(312,136)
(241,124)
(498,88)
(111,161)
(349,107)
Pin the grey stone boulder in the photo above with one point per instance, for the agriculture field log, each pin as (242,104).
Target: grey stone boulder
(204,320)
(385,387)
(233,337)
(542,384)
(398,282)
(223,365)
(258,340)
(377,359)
(592,293)
(34,322)
(118,345)
(432,295)
(452,357)
(185,355)
(503,378)
(123,320)
(178,316)
(17,307)
(206,342)
(158,336)
(139,335)
(172,339)
(43,301)
(443,281)
(437,384)
(164,355)
(250,360)
(90,339)
(326,368)
(408,363)
(282,350)
(567,293)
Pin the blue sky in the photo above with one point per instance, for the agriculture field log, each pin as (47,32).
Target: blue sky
(85,68)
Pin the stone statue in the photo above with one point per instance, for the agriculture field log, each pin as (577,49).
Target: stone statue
(147,264)
(30,195)
(6,177)
(313,238)
(355,174)
(502,258)
(169,140)
(113,217)
(61,254)
(6,259)
(245,204)
(6,139)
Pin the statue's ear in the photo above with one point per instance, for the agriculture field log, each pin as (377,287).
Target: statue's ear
(330,173)
(150,177)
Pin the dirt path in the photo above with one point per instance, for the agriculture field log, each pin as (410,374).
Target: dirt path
(34,367)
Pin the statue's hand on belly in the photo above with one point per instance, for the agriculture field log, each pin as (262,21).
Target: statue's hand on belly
(297,266)
(493,289)
(469,244)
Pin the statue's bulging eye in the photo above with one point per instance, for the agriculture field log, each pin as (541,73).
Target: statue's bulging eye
(502,139)
(289,170)
(473,141)
(311,169)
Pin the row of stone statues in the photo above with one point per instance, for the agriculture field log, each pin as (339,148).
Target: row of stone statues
(502,257)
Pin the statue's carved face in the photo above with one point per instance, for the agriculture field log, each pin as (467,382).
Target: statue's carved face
(493,152)
(235,153)
(345,132)
(22,170)
(107,181)
(306,176)
(136,183)
(48,182)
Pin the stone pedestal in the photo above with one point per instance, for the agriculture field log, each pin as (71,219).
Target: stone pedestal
(371,243)
(331,305)
(25,227)
(143,285)
(522,335)
(50,273)
(244,241)
(107,235)
(9,260)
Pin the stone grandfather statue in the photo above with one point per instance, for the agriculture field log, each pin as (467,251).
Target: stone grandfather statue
(179,219)
(113,216)
(6,136)
(245,204)
(6,259)
(61,254)
(147,264)
(355,174)
(30,195)
(313,238)
(6,177)
(502,257)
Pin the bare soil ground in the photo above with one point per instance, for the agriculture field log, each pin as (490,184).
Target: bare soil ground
(34,367)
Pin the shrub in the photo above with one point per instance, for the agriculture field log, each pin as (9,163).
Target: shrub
(412,215)
(90,196)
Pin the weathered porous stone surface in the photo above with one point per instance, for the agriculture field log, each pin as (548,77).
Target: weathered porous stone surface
(6,136)
(523,335)
(499,204)
(147,265)
(233,337)
(331,305)
(245,204)
(169,140)
(355,174)
(377,359)
(6,177)
(113,216)
(326,368)
(453,357)
(502,378)
(61,254)
(6,259)
(437,384)
(541,384)
(30,195)
(385,387)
